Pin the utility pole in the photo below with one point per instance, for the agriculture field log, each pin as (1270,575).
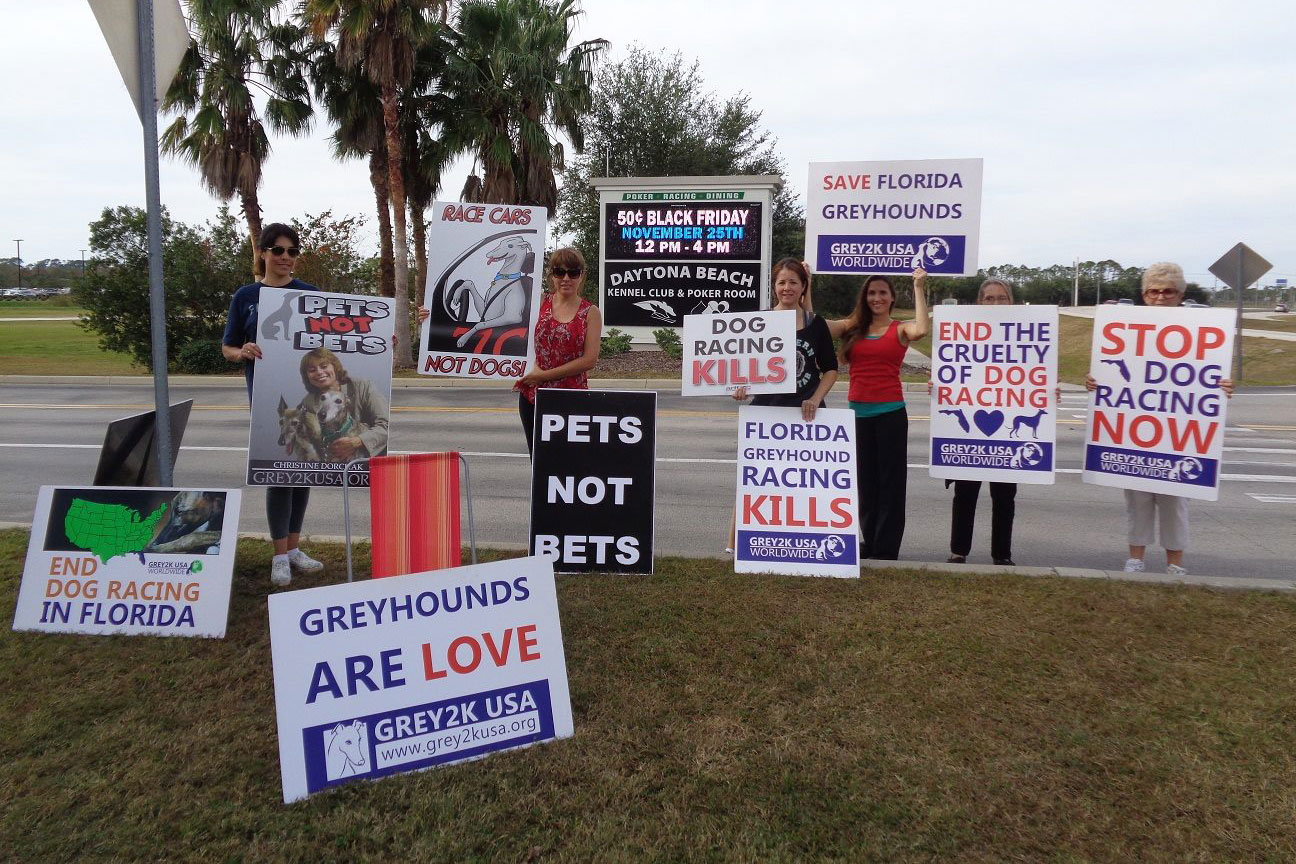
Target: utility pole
(1075,290)
(19,242)
(82,265)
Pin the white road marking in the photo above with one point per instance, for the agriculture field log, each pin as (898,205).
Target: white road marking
(1273,499)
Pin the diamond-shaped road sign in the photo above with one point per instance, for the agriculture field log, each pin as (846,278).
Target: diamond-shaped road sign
(1240,264)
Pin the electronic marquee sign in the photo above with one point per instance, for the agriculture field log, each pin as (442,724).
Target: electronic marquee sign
(676,246)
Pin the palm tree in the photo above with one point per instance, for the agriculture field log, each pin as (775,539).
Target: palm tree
(237,51)
(380,38)
(512,78)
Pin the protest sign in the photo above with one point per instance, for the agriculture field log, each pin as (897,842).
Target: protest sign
(756,350)
(593,480)
(890,217)
(798,504)
(1156,419)
(395,675)
(484,284)
(129,560)
(994,372)
(322,387)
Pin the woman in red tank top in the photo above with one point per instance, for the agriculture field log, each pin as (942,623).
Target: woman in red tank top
(874,344)
(567,335)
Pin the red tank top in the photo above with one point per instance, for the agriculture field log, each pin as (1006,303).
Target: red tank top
(556,343)
(875,367)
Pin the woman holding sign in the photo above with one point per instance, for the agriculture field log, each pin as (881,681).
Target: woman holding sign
(816,360)
(874,344)
(285,505)
(1163,285)
(1003,506)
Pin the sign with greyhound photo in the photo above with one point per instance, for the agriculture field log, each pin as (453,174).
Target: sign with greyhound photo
(1157,417)
(890,217)
(133,561)
(797,504)
(484,283)
(994,375)
(322,387)
(395,675)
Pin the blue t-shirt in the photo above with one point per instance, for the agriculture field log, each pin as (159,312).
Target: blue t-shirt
(241,324)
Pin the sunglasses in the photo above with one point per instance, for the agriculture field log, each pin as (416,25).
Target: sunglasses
(1161,292)
(560,272)
(293,251)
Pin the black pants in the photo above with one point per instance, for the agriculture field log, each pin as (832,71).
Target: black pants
(881,453)
(1002,509)
(286,509)
(526,410)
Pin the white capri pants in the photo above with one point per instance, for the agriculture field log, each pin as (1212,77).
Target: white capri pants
(1141,509)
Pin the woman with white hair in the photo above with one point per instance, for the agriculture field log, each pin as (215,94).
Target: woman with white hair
(1163,286)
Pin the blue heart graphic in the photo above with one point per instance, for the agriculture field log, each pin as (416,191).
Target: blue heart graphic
(988,421)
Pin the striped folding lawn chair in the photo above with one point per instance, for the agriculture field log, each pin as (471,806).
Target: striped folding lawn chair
(413,512)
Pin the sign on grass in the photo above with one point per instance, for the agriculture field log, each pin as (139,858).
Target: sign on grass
(890,217)
(322,389)
(1156,419)
(593,480)
(396,675)
(134,561)
(756,350)
(797,501)
(484,282)
(994,371)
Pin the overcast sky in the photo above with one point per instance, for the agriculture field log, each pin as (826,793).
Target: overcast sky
(1139,131)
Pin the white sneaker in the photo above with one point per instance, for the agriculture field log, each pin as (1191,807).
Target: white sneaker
(303,563)
(1134,565)
(1176,570)
(280,572)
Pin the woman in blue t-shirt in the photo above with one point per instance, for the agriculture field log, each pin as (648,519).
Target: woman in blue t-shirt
(285,505)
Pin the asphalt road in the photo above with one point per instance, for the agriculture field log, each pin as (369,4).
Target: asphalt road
(51,434)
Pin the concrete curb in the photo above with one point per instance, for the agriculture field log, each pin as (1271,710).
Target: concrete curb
(1224,583)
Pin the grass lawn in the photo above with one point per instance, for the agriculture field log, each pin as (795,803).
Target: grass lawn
(57,348)
(37,309)
(718,718)
(1286,324)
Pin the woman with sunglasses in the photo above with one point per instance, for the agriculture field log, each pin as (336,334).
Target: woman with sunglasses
(1003,496)
(567,335)
(285,505)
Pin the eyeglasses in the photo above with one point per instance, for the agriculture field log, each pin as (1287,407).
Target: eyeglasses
(560,272)
(1161,292)
(293,251)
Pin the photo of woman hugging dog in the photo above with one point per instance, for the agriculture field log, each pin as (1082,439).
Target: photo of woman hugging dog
(341,418)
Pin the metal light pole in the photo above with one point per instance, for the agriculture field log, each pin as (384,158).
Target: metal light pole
(19,242)
(1075,290)
(82,265)
(153,197)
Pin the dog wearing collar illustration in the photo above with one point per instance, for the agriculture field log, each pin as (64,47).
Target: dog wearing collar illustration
(504,302)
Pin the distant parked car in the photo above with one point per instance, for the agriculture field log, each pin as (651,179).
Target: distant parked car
(1109,302)
(1125,301)
(1281,307)
(1193,304)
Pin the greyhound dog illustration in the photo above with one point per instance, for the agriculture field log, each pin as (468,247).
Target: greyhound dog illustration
(830,547)
(658,309)
(1028,455)
(345,748)
(275,325)
(1120,367)
(299,432)
(504,302)
(957,414)
(1031,422)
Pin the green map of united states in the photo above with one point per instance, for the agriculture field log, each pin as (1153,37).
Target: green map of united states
(109,530)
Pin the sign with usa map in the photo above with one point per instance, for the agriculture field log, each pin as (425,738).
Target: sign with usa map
(132,561)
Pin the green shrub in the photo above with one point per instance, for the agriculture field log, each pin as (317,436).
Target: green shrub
(202,357)
(615,342)
(668,340)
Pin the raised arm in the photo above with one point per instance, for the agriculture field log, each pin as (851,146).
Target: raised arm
(920,326)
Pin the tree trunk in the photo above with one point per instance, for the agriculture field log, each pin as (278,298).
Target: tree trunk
(386,265)
(419,215)
(400,240)
(252,213)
